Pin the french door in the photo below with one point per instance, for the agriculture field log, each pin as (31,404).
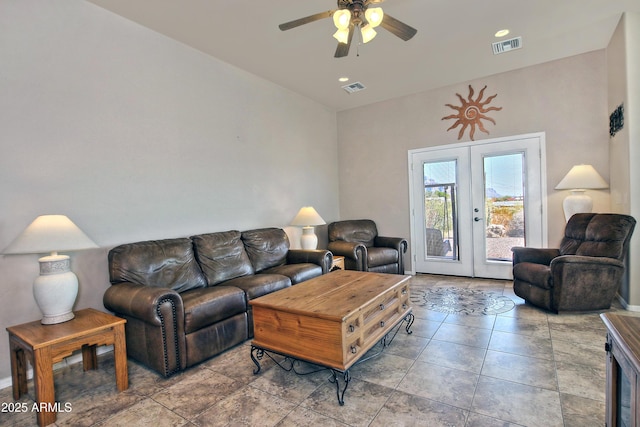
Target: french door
(472,202)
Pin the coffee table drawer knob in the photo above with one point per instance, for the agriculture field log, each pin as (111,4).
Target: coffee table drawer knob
(404,306)
(352,328)
(404,292)
(354,350)
(382,324)
(381,306)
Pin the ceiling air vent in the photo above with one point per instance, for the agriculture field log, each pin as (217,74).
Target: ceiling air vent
(354,87)
(507,45)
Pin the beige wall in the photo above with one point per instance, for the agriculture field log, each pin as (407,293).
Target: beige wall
(566,99)
(623,63)
(135,136)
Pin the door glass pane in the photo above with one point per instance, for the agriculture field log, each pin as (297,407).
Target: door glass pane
(441,223)
(504,205)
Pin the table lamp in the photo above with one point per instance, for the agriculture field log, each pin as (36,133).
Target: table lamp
(579,179)
(308,218)
(56,288)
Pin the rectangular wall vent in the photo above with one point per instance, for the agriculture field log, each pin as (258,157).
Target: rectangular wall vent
(506,45)
(354,87)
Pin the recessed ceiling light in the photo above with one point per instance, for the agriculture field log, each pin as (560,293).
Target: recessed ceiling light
(343,79)
(502,33)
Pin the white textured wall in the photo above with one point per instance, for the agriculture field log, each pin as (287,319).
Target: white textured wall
(135,136)
(632,120)
(623,60)
(567,99)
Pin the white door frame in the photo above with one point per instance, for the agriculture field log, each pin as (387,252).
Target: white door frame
(412,186)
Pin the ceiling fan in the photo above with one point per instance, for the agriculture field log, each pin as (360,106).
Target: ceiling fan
(352,14)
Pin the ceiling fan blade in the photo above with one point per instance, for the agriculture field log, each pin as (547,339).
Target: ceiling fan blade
(399,28)
(343,48)
(306,20)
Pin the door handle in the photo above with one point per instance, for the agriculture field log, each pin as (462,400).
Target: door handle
(476,219)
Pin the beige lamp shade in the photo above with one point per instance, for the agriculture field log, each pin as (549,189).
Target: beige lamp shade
(50,233)
(582,177)
(579,179)
(307,216)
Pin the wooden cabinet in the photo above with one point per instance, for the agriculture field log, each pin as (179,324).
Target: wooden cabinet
(623,370)
(338,261)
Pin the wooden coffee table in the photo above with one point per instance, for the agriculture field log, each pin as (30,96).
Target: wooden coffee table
(45,345)
(331,320)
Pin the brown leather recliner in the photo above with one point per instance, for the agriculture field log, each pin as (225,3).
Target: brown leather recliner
(584,273)
(362,248)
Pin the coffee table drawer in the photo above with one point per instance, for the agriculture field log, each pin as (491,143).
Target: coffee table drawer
(363,330)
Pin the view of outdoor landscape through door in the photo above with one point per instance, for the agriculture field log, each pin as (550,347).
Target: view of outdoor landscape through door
(471,203)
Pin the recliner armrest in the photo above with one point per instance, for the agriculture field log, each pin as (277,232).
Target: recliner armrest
(322,257)
(584,282)
(398,243)
(141,302)
(392,242)
(352,250)
(578,260)
(542,256)
(355,251)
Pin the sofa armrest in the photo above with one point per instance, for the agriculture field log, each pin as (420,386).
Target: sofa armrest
(139,301)
(322,257)
(542,256)
(155,324)
(354,251)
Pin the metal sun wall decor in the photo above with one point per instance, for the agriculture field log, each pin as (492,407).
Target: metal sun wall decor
(471,112)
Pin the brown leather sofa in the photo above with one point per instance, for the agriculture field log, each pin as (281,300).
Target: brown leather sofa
(187,299)
(363,249)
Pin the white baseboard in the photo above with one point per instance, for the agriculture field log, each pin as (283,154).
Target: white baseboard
(627,306)
(75,358)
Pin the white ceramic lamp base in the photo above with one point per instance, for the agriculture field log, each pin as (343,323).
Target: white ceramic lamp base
(56,289)
(576,202)
(308,240)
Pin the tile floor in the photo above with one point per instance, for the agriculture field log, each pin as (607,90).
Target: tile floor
(523,367)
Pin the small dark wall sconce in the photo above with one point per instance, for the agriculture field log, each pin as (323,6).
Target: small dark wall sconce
(616,120)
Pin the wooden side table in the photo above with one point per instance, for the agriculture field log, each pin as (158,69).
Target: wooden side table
(45,345)
(338,261)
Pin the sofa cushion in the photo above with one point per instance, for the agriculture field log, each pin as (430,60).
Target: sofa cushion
(266,247)
(168,263)
(296,272)
(222,256)
(260,284)
(206,306)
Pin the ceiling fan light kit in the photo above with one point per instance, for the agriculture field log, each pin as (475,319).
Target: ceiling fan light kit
(352,14)
(341,19)
(367,33)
